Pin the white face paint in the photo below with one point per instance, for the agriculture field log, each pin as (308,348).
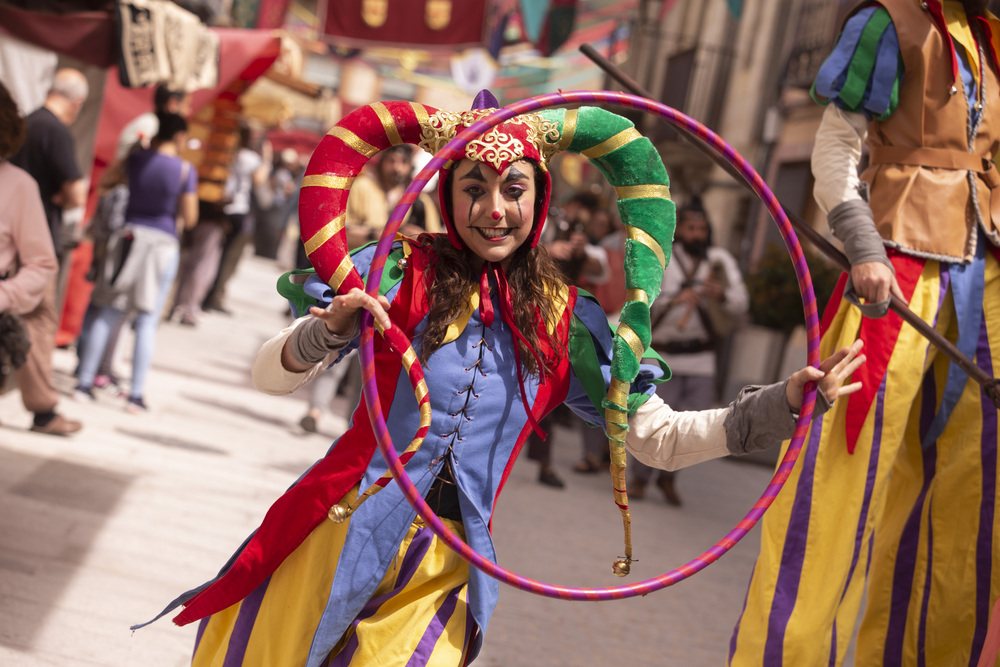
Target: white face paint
(493,213)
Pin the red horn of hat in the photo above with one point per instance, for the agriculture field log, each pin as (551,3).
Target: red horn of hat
(334,165)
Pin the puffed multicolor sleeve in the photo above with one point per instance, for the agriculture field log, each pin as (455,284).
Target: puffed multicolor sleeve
(863,72)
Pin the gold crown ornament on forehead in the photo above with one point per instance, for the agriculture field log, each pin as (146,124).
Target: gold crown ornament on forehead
(529,136)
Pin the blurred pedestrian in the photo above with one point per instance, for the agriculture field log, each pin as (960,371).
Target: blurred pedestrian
(701,296)
(143,255)
(141,129)
(248,176)
(581,262)
(49,155)
(607,232)
(28,268)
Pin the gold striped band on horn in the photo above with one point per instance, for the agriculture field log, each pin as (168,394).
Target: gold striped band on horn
(632,338)
(645,191)
(568,129)
(639,236)
(425,414)
(325,233)
(612,144)
(342,270)
(409,357)
(388,123)
(618,392)
(637,295)
(328,181)
(358,144)
(420,391)
(420,111)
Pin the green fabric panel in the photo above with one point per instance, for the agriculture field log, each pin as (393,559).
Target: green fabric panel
(290,287)
(624,365)
(893,98)
(583,358)
(860,70)
(636,314)
(391,273)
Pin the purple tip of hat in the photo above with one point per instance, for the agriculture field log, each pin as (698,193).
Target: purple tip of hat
(485,100)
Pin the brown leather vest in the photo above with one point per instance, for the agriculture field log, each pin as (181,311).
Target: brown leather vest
(919,157)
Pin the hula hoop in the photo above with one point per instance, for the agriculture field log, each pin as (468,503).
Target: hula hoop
(453,151)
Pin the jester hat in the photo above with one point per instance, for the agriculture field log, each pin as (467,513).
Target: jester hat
(611,143)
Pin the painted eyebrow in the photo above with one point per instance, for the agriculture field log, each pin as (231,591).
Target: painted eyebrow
(474,174)
(514,174)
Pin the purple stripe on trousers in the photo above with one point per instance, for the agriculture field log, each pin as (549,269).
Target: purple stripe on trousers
(243,628)
(984,542)
(415,553)
(790,571)
(859,532)
(425,648)
(201,631)
(906,550)
(928,579)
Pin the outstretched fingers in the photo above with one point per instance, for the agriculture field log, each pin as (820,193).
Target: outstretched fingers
(342,314)
(838,368)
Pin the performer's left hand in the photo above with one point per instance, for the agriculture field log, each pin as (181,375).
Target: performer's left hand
(829,377)
(341,315)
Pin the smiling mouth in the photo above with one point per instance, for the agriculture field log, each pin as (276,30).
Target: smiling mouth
(494,233)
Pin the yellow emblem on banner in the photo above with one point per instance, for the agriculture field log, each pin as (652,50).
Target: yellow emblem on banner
(374,12)
(437,14)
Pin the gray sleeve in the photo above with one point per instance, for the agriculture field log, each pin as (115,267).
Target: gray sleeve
(760,418)
(313,341)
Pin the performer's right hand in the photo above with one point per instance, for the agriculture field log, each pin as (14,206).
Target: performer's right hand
(341,315)
(873,281)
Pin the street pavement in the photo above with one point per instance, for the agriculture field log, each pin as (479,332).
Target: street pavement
(100,530)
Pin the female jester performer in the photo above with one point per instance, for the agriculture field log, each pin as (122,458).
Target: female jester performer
(340,576)
(912,458)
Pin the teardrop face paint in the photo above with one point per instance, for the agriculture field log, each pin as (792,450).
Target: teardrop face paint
(493,213)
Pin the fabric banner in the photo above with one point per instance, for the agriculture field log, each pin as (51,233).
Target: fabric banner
(86,36)
(162,43)
(260,14)
(245,55)
(422,24)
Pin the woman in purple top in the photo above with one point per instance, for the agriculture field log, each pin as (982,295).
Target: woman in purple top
(143,254)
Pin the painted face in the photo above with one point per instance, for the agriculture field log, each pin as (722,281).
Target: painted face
(493,213)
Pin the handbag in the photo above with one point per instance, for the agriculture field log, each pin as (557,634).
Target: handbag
(14,346)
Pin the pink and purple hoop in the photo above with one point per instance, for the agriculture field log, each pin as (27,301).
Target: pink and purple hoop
(453,151)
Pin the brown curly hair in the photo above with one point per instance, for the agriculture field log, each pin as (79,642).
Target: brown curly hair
(12,129)
(533,278)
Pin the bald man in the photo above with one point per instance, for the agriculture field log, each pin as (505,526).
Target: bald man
(49,153)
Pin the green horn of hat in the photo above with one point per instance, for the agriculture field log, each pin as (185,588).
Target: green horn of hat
(634,168)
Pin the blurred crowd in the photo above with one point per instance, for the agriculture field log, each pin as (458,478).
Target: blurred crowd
(163,253)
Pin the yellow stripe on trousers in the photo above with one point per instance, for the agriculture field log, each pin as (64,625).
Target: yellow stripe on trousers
(297,595)
(829,591)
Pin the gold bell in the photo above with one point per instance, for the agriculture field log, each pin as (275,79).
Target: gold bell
(338,514)
(621,567)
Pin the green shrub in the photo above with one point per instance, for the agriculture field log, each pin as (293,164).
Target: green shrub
(775,300)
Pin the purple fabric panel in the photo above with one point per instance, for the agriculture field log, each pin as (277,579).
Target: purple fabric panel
(792,556)
(906,550)
(425,648)
(859,533)
(984,541)
(926,595)
(415,553)
(243,628)
(154,188)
